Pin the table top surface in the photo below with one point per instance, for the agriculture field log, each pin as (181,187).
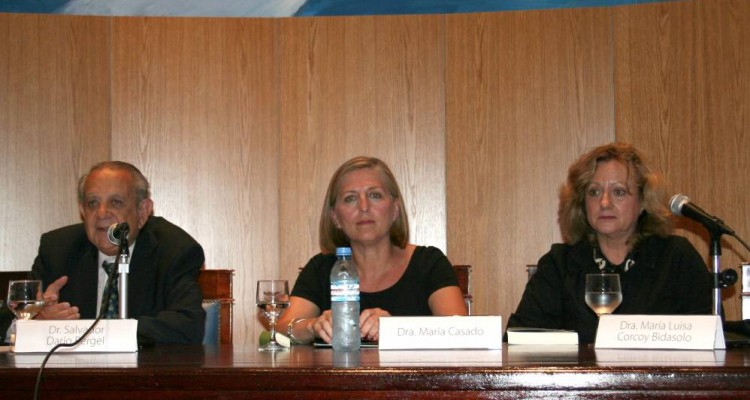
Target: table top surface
(304,372)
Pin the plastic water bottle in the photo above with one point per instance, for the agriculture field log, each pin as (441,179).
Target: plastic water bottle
(345,301)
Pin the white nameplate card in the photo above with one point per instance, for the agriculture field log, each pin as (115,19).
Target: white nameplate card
(687,332)
(109,335)
(458,332)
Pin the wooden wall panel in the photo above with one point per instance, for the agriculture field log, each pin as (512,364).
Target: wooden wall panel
(54,123)
(195,107)
(526,94)
(683,96)
(360,86)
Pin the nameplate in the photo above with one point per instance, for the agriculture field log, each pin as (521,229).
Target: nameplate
(456,332)
(109,335)
(691,332)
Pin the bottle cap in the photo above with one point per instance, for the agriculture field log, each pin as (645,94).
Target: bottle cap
(343,251)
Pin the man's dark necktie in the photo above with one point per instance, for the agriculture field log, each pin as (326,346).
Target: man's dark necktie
(111,310)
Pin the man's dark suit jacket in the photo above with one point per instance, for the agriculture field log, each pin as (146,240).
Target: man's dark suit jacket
(163,291)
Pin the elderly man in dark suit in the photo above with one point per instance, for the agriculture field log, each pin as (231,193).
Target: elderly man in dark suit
(163,293)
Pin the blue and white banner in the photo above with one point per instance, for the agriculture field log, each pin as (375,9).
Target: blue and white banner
(289,8)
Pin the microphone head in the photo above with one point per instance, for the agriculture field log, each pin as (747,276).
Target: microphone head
(116,232)
(676,203)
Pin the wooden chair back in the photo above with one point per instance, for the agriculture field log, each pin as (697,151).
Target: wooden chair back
(463,273)
(216,285)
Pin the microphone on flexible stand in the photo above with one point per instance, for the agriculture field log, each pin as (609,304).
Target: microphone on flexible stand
(681,205)
(118,235)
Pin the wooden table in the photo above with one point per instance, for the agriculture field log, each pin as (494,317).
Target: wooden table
(226,372)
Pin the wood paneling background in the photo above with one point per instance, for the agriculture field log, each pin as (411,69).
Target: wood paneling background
(526,93)
(239,124)
(683,96)
(195,106)
(54,124)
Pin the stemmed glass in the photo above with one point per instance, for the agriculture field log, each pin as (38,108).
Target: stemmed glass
(25,298)
(272,297)
(603,293)
(25,301)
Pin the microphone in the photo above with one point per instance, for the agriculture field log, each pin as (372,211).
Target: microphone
(116,232)
(681,205)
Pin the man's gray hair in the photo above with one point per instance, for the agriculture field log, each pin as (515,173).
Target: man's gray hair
(140,183)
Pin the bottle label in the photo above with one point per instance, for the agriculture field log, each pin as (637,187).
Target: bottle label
(344,291)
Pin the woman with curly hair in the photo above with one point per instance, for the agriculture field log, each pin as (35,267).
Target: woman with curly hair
(613,218)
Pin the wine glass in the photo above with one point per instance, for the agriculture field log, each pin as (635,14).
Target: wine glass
(25,301)
(272,298)
(25,298)
(603,293)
